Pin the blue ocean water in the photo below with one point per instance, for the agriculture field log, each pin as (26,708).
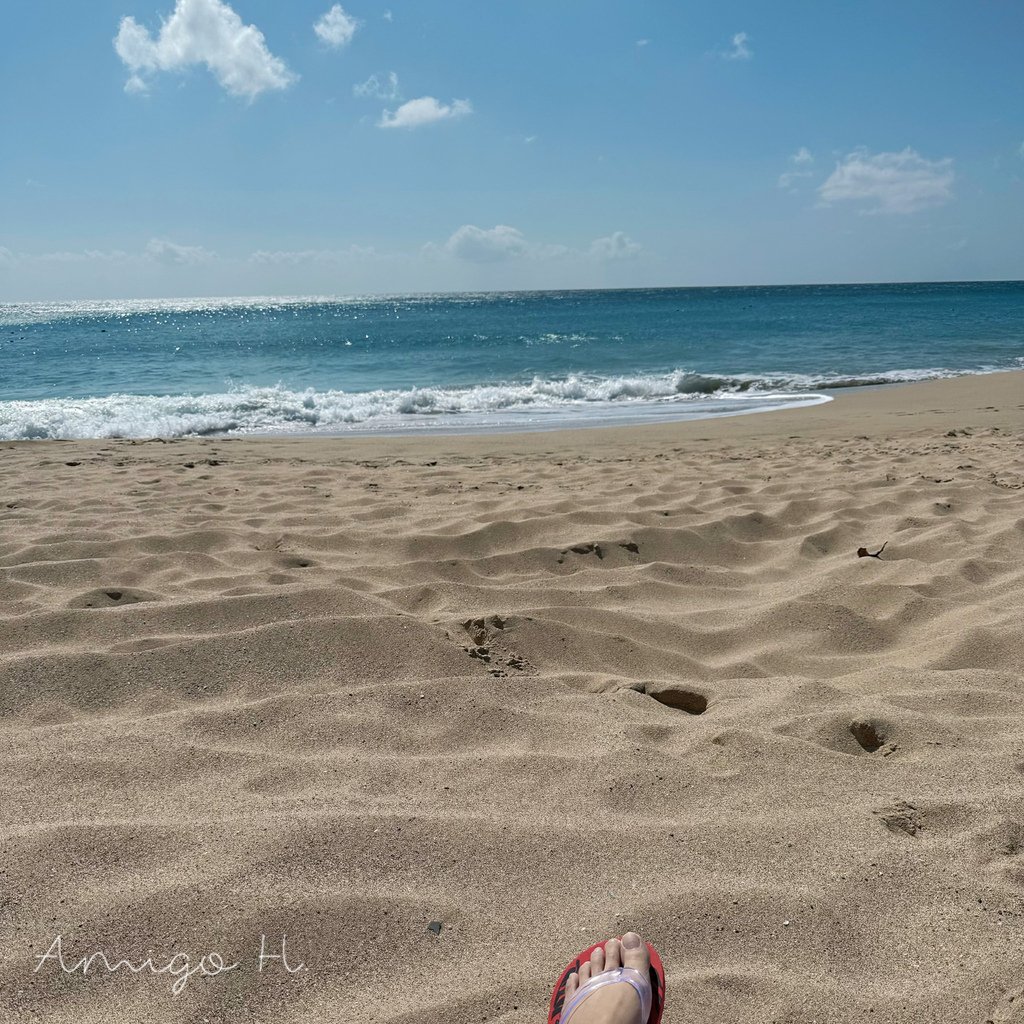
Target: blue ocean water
(482,361)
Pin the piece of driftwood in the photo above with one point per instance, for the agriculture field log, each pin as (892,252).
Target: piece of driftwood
(864,553)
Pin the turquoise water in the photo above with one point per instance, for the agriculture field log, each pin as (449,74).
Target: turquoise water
(482,362)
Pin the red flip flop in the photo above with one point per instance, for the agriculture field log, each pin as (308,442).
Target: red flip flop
(656,979)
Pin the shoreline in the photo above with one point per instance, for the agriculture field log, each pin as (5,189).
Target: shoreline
(892,407)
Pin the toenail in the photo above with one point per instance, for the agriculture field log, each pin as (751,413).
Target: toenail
(631,940)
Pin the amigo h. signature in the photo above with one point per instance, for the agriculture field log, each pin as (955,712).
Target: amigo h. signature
(180,966)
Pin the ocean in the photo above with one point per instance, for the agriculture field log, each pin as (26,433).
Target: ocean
(482,362)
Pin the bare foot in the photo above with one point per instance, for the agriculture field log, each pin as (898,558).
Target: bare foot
(611,1004)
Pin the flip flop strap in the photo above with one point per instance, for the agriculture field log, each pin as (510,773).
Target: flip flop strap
(620,974)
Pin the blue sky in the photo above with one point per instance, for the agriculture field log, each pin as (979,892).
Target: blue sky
(204,147)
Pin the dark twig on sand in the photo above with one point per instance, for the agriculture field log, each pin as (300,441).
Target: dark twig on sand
(864,553)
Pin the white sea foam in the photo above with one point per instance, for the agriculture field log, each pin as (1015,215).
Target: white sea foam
(540,403)
(576,400)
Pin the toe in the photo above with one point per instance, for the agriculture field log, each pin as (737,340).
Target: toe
(572,983)
(584,975)
(612,955)
(597,961)
(634,953)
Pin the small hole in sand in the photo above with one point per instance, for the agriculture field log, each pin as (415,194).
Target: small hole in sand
(867,735)
(683,700)
(114,595)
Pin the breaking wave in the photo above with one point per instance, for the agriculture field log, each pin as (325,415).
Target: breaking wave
(539,403)
(573,400)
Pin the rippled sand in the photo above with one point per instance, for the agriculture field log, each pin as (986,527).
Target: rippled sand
(536,689)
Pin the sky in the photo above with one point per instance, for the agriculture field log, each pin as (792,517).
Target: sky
(162,148)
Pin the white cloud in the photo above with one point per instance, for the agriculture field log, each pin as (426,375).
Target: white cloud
(375,88)
(388,16)
(788,179)
(616,246)
(336,28)
(490,245)
(163,251)
(12,259)
(295,258)
(502,243)
(136,85)
(642,42)
(800,159)
(85,256)
(901,182)
(425,110)
(202,32)
(740,50)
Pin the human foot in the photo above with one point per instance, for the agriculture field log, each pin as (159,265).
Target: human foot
(614,1002)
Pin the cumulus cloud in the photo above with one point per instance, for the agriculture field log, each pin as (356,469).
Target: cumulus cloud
(170,253)
(616,246)
(336,28)
(425,110)
(503,243)
(739,50)
(901,182)
(377,88)
(487,245)
(202,32)
(801,161)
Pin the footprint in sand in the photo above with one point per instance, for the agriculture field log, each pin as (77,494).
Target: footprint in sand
(480,629)
(836,732)
(690,701)
(489,644)
(1004,839)
(581,549)
(111,598)
(593,548)
(295,562)
(902,818)
(868,736)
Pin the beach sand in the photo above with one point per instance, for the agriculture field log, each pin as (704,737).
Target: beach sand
(538,688)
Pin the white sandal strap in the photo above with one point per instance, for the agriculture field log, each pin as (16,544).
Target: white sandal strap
(620,974)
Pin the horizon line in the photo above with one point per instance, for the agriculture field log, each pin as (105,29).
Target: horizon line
(513,291)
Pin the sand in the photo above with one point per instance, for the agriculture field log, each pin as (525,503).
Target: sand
(536,689)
